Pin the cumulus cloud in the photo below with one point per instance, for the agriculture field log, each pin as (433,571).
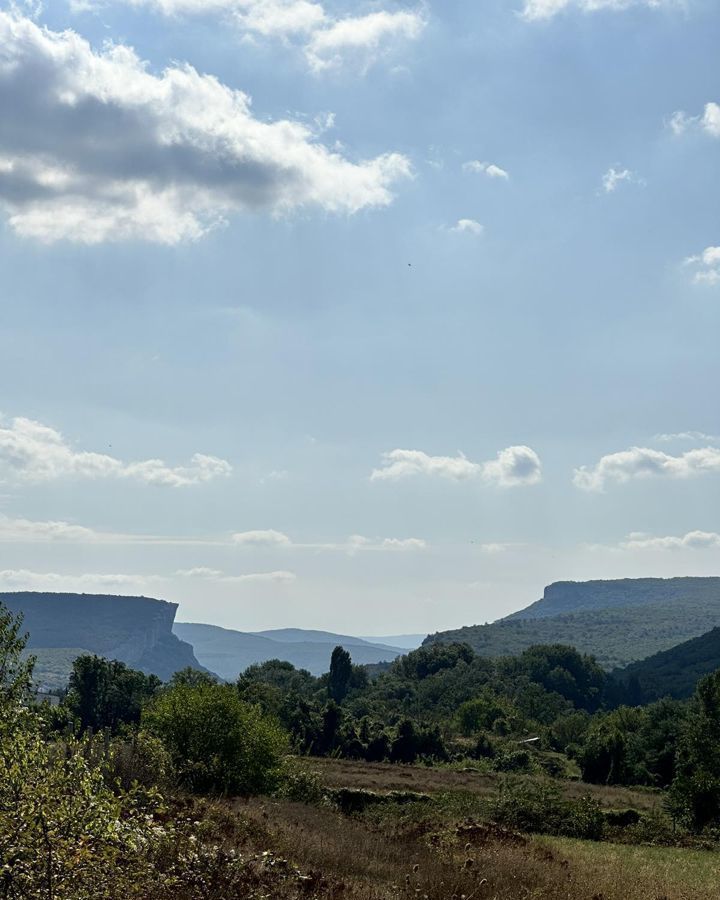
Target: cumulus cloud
(363,36)
(94,147)
(513,466)
(643,462)
(693,540)
(468,226)
(31,451)
(326,40)
(708,121)
(705,266)
(489,169)
(267,537)
(534,10)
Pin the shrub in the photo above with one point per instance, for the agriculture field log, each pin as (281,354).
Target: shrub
(217,742)
(536,806)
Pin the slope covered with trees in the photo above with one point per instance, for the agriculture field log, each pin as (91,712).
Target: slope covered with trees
(615,634)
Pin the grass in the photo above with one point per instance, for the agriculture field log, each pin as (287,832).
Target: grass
(338,773)
(667,872)
(357,859)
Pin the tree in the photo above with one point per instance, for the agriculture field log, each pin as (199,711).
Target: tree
(15,671)
(341,673)
(217,743)
(105,693)
(695,792)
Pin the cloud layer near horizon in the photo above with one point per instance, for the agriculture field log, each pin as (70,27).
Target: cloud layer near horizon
(31,451)
(94,147)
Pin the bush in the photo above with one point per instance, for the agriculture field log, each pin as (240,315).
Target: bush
(536,806)
(217,743)
(300,785)
(514,761)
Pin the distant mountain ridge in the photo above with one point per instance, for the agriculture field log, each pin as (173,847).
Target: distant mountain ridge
(134,630)
(229,652)
(618,622)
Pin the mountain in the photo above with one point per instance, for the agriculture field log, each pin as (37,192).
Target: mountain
(406,641)
(230,652)
(618,622)
(673,672)
(577,596)
(134,630)
(305,636)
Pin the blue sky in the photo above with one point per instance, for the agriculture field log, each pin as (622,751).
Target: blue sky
(372,317)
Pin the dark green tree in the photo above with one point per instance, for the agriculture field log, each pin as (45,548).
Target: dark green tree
(695,792)
(341,673)
(105,693)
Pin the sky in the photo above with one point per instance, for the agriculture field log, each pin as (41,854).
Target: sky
(372,317)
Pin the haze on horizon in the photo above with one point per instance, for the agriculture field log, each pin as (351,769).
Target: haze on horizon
(374,318)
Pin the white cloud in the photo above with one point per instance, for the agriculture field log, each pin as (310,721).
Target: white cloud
(25,530)
(365,35)
(268,537)
(404,544)
(468,226)
(513,466)
(489,169)
(708,122)
(642,462)
(25,579)
(325,40)
(94,147)
(216,575)
(31,451)
(534,10)
(687,436)
(706,266)
(693,540)
(614,177)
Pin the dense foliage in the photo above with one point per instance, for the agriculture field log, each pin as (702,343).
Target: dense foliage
(615,636)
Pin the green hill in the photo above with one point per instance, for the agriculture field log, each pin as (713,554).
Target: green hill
(616,634)
(673,672)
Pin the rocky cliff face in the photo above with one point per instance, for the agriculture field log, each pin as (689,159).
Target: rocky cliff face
(134,630)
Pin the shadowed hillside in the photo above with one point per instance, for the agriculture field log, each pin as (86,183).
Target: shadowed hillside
(674,672)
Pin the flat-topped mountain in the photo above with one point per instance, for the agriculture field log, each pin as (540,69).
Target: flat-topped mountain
(229,652)
(618,622)
(577,596)
(134,630)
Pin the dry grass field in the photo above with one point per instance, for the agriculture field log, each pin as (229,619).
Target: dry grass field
(338,773)
(353,858)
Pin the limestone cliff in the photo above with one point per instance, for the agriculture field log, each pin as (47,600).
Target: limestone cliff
(134,630)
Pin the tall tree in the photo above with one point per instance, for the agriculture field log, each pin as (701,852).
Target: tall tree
(341,671)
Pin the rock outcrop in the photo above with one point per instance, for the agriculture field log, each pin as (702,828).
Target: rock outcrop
(135,630)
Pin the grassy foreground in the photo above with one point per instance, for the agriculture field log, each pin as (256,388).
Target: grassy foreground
(361,859)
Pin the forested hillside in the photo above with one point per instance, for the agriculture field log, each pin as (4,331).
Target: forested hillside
(616,635)
(674,672)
